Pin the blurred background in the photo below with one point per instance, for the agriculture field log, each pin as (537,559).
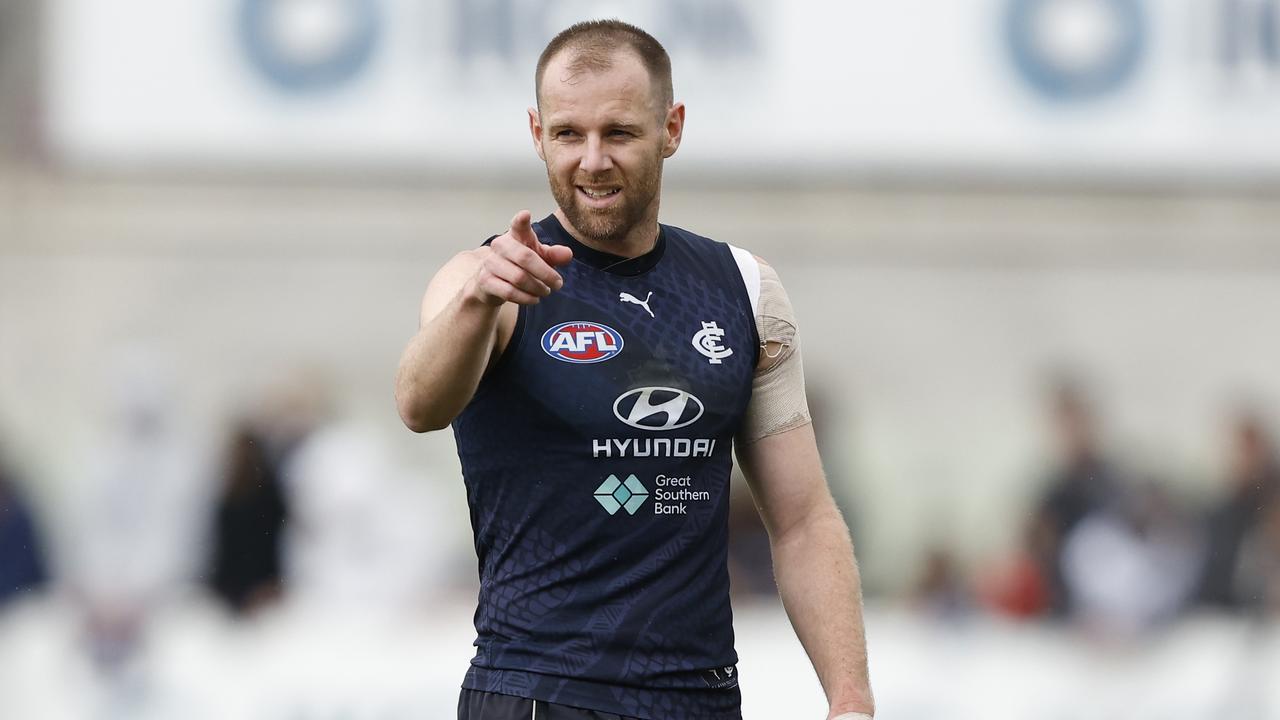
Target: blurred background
(1034,246)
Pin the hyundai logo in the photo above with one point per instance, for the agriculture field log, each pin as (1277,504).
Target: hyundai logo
(657,408)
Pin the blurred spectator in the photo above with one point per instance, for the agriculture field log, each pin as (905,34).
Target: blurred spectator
(941,590)
(363,535)
(1132,565)
(1259,577)
(137,516)
(1253,480)
(356,533)
(1018,587)
(296,405)
(248,523)
(1082,484)
(22,565)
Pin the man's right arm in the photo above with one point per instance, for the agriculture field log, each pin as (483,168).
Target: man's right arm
(468,314)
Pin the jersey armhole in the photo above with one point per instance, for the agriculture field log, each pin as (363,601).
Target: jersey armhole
(749,268)
(517,333)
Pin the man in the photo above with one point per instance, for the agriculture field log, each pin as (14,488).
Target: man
(597,368)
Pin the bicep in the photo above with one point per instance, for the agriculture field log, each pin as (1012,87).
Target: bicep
(778,401)
(784,472)
(776,445)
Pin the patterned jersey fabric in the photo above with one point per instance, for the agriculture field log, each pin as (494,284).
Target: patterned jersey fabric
(597,456)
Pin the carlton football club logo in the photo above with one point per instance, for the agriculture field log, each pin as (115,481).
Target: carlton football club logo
(708,342)
(581,342)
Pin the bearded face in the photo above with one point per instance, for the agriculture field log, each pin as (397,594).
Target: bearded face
(604,137)
(606,207)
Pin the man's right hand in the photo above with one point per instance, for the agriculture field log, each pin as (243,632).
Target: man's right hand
(518,268)
(465,322)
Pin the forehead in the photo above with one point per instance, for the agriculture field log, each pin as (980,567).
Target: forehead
(623,89)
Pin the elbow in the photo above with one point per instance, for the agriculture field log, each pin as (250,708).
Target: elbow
(419,425)
(422,423)
(418,416)
(821,520)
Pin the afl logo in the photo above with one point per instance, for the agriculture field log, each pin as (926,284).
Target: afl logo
(581,342)
(657,408)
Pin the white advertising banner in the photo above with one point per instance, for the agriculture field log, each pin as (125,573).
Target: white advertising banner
(1100,88)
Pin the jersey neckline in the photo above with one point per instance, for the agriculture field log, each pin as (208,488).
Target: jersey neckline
(600,260)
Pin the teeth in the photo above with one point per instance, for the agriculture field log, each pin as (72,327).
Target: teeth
(597,195)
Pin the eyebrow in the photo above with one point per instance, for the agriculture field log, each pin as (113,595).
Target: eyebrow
(633,128)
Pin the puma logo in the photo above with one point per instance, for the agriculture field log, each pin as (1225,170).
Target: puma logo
(629,298)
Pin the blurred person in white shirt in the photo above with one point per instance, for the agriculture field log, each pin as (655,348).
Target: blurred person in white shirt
(363,533)
(136,517)
(1131,567)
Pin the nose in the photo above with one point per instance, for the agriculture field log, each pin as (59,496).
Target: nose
(595,158)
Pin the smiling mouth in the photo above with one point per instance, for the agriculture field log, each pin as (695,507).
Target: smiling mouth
(599,194)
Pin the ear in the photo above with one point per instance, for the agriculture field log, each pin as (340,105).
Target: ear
(673,127)
(535,129)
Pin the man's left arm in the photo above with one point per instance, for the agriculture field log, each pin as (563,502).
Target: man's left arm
(813,558)
(813,562)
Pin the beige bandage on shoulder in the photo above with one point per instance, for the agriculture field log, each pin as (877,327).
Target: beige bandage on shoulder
(778,402)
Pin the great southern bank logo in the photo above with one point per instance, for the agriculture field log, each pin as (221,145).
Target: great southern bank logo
(657,408)
(581,342)
(614,494)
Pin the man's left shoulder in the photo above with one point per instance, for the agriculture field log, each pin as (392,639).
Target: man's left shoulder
(698,241)
(691,237)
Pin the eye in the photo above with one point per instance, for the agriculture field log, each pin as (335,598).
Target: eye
(621,133)
(565,134)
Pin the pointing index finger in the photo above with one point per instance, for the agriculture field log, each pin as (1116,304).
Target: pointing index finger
(522,230)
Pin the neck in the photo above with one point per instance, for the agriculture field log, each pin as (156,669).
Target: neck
(640,239)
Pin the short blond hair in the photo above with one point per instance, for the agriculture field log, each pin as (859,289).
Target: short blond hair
(594,44)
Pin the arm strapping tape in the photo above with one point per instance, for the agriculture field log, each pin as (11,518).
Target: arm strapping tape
(778,401)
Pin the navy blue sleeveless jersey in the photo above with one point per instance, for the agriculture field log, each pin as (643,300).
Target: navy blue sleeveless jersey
(597,455)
